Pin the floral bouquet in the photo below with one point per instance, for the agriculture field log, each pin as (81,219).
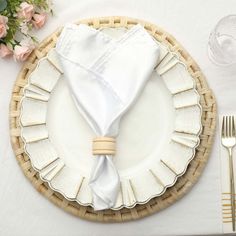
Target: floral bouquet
(18,18)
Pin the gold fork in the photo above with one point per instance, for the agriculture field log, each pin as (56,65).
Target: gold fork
(228,140)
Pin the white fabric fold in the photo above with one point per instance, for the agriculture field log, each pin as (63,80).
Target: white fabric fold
(105,76)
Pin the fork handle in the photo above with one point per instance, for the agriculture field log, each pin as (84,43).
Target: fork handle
(232,190)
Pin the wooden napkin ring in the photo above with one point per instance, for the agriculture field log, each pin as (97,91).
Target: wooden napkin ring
(104,146)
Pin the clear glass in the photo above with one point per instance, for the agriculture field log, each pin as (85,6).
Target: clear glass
(222,42)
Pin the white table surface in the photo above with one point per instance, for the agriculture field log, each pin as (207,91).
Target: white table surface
(23,211)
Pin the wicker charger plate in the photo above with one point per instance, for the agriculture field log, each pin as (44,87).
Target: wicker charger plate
(183,184)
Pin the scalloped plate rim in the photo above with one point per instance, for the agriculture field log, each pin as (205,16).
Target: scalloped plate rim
(137,202)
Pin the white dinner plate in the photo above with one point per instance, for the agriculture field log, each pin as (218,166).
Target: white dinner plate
(157,139)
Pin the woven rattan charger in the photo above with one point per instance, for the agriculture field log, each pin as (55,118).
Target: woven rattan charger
(183,184)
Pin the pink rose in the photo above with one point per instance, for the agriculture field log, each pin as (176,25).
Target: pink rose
(21,53)
(4,51)
(39,20)
(3,19)
(26,11)
(3,26)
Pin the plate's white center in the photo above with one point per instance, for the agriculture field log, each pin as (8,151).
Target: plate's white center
(145,129)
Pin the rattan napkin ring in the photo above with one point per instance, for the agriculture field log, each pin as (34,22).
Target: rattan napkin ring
(104,146)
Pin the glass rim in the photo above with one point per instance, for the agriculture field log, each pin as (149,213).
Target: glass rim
(216,42)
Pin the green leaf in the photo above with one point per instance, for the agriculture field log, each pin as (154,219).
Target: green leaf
(3,5)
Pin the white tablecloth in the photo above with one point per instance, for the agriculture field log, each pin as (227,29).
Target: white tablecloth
(23,211)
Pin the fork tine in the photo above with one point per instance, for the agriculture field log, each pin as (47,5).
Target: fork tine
(223,127)
(233,127)
(226,126)
(230,126)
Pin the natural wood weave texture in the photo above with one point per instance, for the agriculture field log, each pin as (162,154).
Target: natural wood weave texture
(183,184)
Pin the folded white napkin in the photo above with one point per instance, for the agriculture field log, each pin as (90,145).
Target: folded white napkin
(105,76)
